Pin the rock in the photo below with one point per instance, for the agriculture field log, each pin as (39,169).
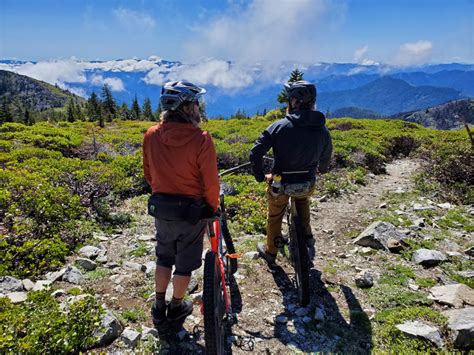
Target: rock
(419,207)
(17,297)
(319,314)
(86,264)
(366,251)
(422,330)
(446,206)
(251,255)
(448,245)
(132,265)
(281,319)
(89,252)
(453,295)
(399,190)
(42,285)
(427,257)
(119,289)
(102,259)
(10,284)
(469,251)
(383,205)
(130,337)
(468,274)
(377,234)
(111,265)
(58,293)
(461,322)
(302,311)
(292,307)
(307,319)
(55,276)
(28,284)
(99,236)
(149,268)
(149,332)
(395,246)
(454,254)
(109,331)
(72,275)
(146,237)
(419,222)
(364,279)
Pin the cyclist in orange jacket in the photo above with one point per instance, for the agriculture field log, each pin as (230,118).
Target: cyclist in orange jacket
(180,165)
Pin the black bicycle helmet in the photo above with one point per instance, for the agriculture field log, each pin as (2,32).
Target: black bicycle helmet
(303,91)
(174,93)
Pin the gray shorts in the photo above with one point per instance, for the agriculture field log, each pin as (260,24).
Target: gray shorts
(179,243)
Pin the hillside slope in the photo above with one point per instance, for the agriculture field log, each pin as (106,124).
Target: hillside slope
(21,91)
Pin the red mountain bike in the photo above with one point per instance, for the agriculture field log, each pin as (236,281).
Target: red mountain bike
(219,263)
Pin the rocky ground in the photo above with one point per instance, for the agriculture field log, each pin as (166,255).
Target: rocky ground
(380,247)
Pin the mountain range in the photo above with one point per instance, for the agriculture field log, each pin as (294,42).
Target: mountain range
(252,88)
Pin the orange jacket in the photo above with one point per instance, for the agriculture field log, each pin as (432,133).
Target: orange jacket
(180,158)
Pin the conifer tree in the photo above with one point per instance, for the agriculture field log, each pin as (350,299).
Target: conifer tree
(5,113)
(147,111)
(124,112)
(70,111)
(93,107)
(135,109)
(27,118)
(108,103)
(295,75)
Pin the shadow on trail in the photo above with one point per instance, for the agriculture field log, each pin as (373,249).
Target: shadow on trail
(333,333)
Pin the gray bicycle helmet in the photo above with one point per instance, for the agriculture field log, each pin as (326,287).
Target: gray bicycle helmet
(303,91)
(174,93)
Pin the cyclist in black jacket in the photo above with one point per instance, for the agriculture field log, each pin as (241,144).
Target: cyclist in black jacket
(302,147)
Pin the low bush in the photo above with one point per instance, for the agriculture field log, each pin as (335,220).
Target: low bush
(39,325)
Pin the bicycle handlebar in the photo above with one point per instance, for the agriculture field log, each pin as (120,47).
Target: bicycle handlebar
(238,167)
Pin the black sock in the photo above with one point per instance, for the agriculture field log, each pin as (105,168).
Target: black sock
(160,298)
(175,302)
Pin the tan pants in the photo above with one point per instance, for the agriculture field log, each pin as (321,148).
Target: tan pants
(276,210)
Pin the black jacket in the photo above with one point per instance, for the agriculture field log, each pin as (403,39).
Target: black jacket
(300,142)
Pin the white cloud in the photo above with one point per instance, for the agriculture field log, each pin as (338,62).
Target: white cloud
(267,29)
(209,72)
(115,84)
(134,20)
(413,53)
(360,53)
(53,72)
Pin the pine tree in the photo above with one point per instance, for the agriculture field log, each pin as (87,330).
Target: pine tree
(295,75)
(5,113)
(147,111)
(108,103)
(93,107)
(202,111)
(27,120)
(124,112)
(71,111)
(135,109)
(78,113)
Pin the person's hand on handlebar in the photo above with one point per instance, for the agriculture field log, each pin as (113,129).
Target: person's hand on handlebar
(268,178)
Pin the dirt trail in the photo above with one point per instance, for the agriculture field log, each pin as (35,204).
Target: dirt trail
(268,319)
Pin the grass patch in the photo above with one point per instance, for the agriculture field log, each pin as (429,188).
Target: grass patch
(389,338)
(384,296)
(140,250)
(397,275)
(133,315)
(98,274)
(426,282)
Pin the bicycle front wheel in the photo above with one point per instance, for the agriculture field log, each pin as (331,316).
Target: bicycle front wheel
(231,263)
(300,260)
(214,305)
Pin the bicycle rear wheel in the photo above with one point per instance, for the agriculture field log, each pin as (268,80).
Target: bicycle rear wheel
(300,259)
(214,305)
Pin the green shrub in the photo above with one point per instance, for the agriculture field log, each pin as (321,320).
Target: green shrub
(40,326)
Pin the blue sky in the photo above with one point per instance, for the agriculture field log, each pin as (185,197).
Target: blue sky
(402,32)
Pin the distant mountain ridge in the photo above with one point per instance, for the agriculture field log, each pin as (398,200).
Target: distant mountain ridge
(386,96)
(21,91)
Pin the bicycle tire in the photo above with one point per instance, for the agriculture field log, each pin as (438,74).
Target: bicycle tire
(229,243)
(214,307)
(300,260)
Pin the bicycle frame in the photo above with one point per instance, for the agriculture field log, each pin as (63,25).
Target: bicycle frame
(215,238)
